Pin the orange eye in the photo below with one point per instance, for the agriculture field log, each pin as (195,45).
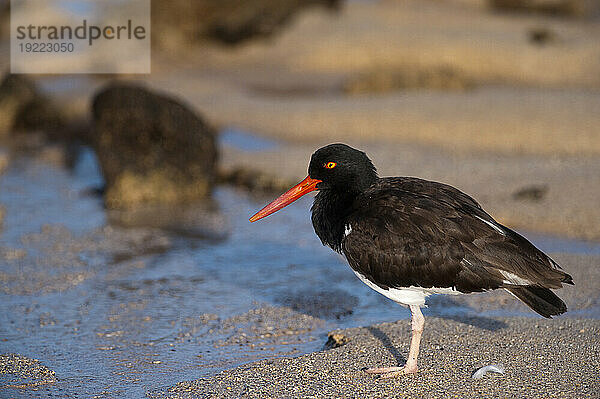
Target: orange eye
(330,165)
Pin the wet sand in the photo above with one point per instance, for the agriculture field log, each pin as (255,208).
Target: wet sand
(541,358)
(23,372)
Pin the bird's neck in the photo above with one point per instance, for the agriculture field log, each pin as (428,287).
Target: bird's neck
(329,213)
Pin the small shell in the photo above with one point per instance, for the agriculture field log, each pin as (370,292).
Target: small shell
(494,368)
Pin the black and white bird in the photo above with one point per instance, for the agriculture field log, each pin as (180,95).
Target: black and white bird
(408,238)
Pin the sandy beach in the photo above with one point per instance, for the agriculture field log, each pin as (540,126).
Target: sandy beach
(541,359)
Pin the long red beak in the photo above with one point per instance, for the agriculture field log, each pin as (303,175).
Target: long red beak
(305,186)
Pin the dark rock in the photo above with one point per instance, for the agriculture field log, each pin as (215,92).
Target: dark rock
(202,220)
(563,8)
(39,114)
(386,80)
(152,149)
(254,180)
(532,193)
(541,36)
(226,21)
(24,108)
(3,160)
(15,92)
(335,340)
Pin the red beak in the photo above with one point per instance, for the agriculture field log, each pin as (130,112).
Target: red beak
(305,186)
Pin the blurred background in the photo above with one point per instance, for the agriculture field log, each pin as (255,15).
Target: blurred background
(124,199)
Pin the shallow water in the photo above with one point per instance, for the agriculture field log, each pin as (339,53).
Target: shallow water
(245,141)
(117,312)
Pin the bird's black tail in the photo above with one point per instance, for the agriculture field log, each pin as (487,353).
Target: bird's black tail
(540,299)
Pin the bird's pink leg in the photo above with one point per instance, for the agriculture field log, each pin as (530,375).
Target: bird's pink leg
(418,322)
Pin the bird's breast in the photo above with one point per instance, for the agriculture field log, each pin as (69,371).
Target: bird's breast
(407,295)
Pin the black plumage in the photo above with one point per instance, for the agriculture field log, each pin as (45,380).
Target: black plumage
(413,232)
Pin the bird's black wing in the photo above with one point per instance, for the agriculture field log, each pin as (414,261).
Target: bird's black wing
(412,232)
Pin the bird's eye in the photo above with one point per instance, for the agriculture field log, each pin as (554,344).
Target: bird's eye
(330,165)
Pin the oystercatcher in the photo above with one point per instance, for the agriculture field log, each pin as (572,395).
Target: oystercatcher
(408,238)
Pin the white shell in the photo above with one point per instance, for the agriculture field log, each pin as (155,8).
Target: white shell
(494,368)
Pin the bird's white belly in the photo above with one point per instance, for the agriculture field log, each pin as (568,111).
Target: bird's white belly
(407,295)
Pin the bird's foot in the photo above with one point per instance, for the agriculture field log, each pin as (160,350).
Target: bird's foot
(390,372)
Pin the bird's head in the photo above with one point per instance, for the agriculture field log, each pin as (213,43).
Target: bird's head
(341,167)
(333,167)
